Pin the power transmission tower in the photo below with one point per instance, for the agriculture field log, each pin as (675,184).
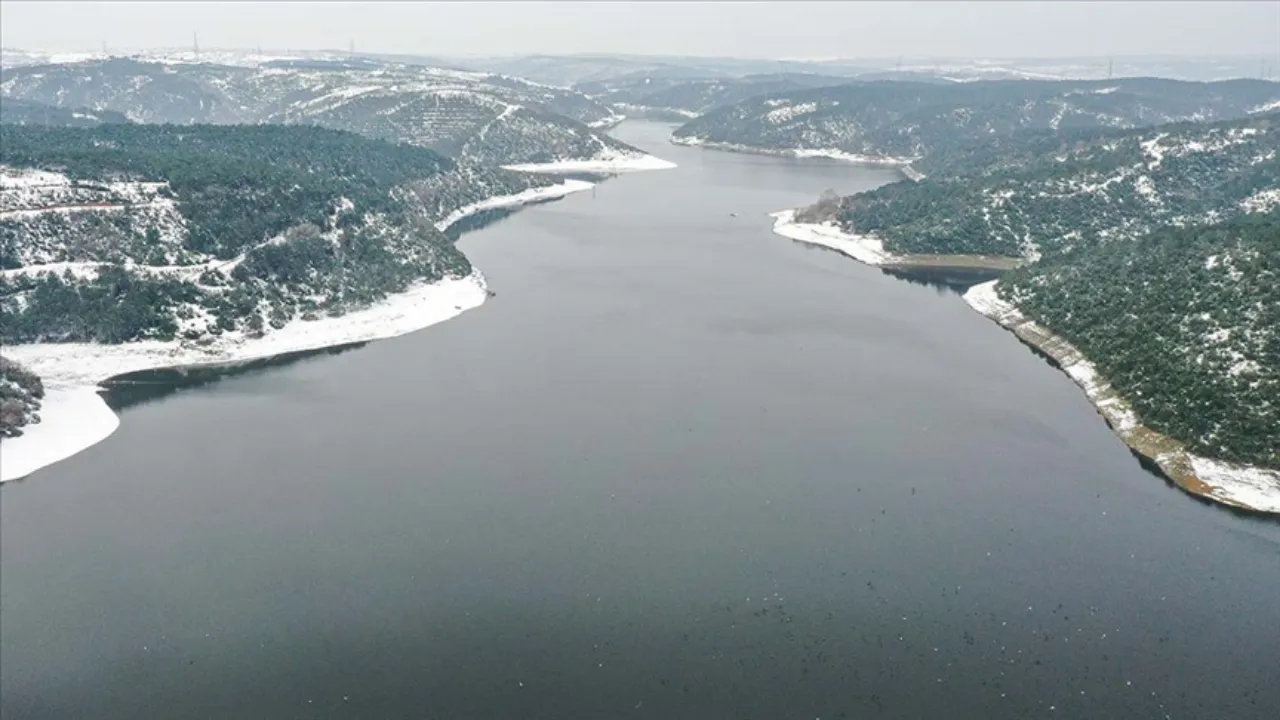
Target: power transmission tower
(195,44)
(1111,64)
(351,48)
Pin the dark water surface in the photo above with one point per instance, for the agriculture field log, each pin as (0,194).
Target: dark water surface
(679,467)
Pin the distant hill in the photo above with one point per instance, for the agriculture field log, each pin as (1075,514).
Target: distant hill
(648,95)
(1045,193)
(24,112)
(474,117)
(908,121)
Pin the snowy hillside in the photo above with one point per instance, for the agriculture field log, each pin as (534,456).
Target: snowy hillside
(906,121)
(472,116)
(1051,193)
(128,232)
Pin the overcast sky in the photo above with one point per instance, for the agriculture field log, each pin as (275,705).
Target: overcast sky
(764,29)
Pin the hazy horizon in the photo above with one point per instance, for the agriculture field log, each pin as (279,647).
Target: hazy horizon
(799,31)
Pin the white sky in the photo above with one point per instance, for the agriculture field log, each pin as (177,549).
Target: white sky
(758,30)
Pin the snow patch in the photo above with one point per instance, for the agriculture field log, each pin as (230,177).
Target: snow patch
(779,115)
(859,247)
(834,154)
(1146,188)
(609,163)
(72,419)
(1241,485)
(530,195)
(1261,201)
(1265,107)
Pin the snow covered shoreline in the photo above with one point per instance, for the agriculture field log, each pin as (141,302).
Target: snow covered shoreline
(1241,486)
(74,416)
(607,163)
(902,165)
(862,248)
(870,250)
(532,195)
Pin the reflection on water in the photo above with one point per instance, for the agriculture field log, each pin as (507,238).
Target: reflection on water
(476,221)
(955,280)
(131,389)
(944,279)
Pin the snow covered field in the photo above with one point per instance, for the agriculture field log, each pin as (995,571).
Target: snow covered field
(1229,483)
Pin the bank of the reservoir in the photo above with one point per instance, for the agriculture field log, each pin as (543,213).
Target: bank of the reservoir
(902,165)
(870,250)
(1242,486)
(74,416)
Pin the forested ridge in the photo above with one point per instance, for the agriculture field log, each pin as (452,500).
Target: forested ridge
(236,185)
(1040,193)
(473,117)
(210,229)
(914,120)
(1184,322)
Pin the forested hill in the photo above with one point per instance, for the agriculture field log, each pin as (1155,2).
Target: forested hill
(1047,193)
(1184,322)
(126,232)
(910,120)
(25,112)
(476,117)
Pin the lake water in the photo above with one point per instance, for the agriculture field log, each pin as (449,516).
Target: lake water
(679,467)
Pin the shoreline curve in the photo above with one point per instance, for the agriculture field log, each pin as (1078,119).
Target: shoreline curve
(902,165)
(1243,487)
(74,416)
